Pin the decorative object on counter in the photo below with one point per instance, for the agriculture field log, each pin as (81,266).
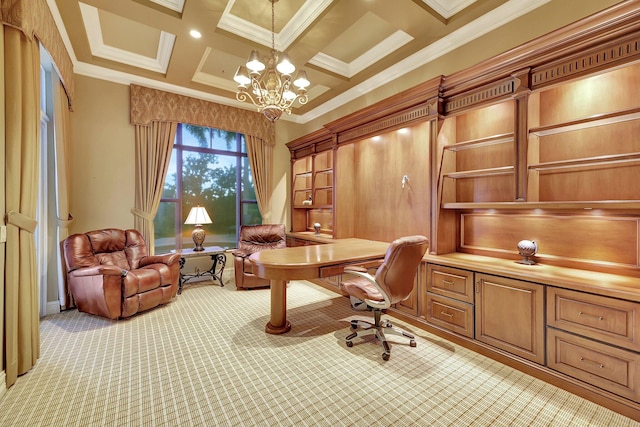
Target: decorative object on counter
(308,202)
(316,227)
(405,180)
(198,216)
(527,249)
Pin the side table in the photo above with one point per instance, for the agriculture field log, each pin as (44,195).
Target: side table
(218,259)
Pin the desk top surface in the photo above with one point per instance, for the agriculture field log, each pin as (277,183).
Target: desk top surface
(343,250)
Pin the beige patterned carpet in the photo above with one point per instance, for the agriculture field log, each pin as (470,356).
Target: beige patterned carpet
(205,360)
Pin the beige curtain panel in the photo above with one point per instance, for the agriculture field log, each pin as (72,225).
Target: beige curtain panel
(261,162)
(21,59)
(153,153)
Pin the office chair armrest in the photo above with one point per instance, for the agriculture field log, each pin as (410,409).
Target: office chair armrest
(371,279)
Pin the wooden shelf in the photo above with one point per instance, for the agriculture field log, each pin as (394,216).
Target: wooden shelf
(587,122)
(586,205)
(480,173)
(324,171)
(588,162)
(481,142)
(302,190)
(303,174)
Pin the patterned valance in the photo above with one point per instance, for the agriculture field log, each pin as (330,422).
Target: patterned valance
(148,105)
(34,19)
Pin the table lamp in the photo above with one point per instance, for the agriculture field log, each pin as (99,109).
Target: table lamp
(198,216)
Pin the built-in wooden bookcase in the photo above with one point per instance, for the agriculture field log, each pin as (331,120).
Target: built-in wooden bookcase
(478,155)
(312,183)
(584,140)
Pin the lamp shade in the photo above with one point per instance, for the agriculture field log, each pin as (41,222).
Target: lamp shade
(198,215)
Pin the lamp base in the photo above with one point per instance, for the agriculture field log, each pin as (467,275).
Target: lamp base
(198,235)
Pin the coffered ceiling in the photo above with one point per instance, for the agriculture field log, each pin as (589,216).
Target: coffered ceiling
(347,47)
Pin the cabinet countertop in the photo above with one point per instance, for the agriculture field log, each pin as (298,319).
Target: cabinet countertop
(607,284)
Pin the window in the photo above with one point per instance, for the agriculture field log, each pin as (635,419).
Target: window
(209,167)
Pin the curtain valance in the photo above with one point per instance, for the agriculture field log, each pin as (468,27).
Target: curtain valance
(34,19)
(149,105)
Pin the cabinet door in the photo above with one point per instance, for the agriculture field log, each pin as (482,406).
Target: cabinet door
(510,315)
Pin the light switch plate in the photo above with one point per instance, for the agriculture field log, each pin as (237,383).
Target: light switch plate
(3,233)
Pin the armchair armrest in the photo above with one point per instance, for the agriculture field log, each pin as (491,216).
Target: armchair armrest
(98,270)
(167,259)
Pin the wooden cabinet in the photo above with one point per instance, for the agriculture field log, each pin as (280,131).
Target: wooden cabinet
(605,366)
(510,315)
(605,319)
(449,299)
(410,305)
(596,339)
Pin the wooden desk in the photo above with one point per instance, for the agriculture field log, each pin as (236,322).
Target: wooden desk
(308,262)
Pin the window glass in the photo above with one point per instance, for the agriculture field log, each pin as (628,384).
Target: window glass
(210,168)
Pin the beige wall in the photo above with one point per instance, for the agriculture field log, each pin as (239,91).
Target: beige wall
(102,156)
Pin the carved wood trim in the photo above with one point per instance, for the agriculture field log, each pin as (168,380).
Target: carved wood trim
(394,121)
(315,142)
(620,52)
(482,95)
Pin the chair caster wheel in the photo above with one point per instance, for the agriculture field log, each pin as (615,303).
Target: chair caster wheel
(385,356)
(349,344)
(412,343)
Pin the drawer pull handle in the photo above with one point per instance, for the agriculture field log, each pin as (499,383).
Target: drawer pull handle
(444,313)
(599,365)
(590,315)
(448,282)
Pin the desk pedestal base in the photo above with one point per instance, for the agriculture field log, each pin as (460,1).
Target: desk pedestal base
(278,323)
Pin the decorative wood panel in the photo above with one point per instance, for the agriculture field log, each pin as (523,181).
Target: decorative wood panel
(587,239)
(384,209)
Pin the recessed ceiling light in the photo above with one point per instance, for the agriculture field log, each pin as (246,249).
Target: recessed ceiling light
(195,34)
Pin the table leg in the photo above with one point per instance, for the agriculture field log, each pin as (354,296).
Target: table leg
(278,323)
(180,277)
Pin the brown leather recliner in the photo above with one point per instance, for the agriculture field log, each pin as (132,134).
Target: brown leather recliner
(254,238)
(111,274)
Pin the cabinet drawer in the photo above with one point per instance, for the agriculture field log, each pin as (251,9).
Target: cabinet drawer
(602,318)
(450,314)
(603,366)
(450,282)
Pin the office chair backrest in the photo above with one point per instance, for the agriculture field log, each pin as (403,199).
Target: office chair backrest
(398,270)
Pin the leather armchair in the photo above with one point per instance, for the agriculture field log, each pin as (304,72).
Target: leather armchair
(254,238)
(111,274)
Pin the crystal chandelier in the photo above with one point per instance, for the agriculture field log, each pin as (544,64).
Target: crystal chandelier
(269,86)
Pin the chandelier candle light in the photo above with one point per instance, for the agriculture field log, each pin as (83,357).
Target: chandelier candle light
(198,216)
(269,86)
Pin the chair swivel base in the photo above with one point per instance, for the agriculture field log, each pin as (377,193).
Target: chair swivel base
(379,328)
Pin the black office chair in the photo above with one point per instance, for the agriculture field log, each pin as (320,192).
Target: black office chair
(392,283)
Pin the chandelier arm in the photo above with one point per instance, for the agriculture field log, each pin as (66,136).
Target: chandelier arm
(269,89)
